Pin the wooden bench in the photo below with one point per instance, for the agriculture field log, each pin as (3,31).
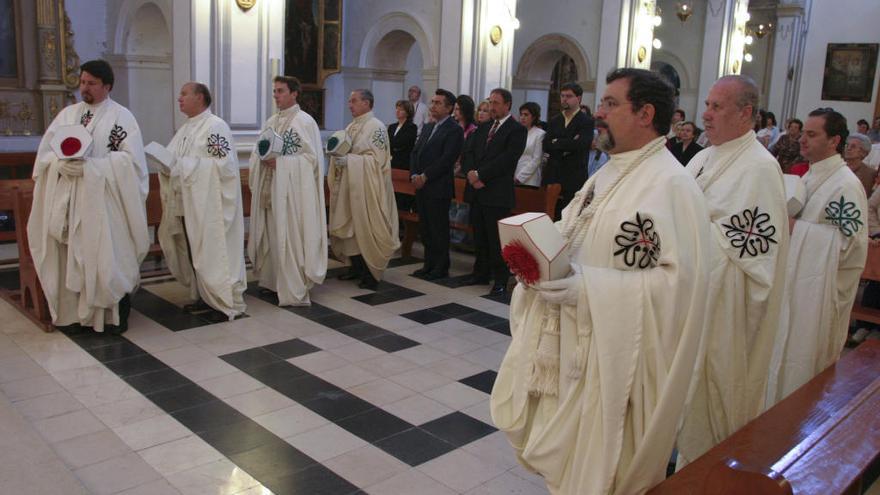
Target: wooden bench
(154,208)
(871,272)
(527,199)
(14,168)
(822,439)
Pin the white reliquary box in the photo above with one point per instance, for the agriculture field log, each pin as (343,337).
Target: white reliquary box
(795,194)
(269,145)
(159,154)
(537,234)
(71,142)
(339,144)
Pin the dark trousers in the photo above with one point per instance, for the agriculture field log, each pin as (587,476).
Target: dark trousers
(434,231)
(487,247)
(565,198)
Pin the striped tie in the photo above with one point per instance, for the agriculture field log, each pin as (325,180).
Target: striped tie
(492,132)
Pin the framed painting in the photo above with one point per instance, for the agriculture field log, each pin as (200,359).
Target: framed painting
(11,70)
(849,72)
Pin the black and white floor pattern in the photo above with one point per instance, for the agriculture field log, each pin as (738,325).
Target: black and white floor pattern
(380,392)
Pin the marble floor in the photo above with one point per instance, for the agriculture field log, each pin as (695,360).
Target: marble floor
(379,392)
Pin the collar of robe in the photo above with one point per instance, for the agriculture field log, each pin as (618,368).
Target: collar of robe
(723,156)
(363,118)
(735,143)
(820,172)
(289,111)
(198,118)
(97,106)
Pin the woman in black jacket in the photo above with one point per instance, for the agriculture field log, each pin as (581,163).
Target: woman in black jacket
(402,135)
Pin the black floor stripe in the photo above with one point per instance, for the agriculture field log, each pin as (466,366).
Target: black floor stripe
(360,330)
(481,381)
(464,313)
(268,458)
(167,314)
(409,443)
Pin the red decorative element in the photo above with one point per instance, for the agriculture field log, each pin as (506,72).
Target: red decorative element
(521,262)
(70,146)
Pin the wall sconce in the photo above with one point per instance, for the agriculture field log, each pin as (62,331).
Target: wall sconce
(245,5)
(684,10)
(760,29)
(495,34)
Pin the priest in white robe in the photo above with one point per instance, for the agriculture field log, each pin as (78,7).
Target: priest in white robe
(593,404)
(746,198)
(202,230)
(829,244)
(288,229)
(363,214)
(88,225)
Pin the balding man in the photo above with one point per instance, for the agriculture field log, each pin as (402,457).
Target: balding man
(746,197)
(363,214)
(202,230)
(420,110)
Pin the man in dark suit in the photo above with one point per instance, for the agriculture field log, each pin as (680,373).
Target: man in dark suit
(567,143)
(490,191)
(431,171)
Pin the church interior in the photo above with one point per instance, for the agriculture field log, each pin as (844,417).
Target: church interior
(383,391)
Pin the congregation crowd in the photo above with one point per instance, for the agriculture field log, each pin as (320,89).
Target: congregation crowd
(693,302)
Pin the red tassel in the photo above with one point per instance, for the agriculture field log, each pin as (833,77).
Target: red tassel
(521,262)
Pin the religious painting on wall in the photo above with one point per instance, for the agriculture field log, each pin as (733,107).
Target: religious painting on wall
(311,101)
(313,48)
(301,40)
(9,44)
(849,72)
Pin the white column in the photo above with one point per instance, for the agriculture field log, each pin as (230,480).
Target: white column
(449,67)
(719,22)
(484,65)
(612,53)
(788,47)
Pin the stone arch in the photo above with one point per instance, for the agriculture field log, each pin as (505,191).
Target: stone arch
(143,28)
(142,56)
(380,51)
(537,62)
(676,63)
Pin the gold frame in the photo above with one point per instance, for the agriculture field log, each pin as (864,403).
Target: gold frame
(18,81)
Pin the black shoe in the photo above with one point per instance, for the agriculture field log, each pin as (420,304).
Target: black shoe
(215,316)
(475,280)
(350,275)
(115,329)
(421,272)
(498,290)
(267,292)
(435,275)
(196,307)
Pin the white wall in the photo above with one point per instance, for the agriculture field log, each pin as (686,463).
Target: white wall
(838,21)
(87,19)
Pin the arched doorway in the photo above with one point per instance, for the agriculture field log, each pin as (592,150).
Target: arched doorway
(548,63)
(564,71)
(143,64)
(671,75)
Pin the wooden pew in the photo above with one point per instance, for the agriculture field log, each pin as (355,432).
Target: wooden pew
(29,298)
(14,169)
(154,208)
(871,272)
(527,199)
(822,439)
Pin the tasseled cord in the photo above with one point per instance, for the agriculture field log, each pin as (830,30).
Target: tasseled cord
(580,359)
(544,379)
(266,188)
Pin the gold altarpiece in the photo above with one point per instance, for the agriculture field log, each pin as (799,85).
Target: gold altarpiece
(39,68)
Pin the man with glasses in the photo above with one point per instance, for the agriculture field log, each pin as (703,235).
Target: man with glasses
(594,383)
